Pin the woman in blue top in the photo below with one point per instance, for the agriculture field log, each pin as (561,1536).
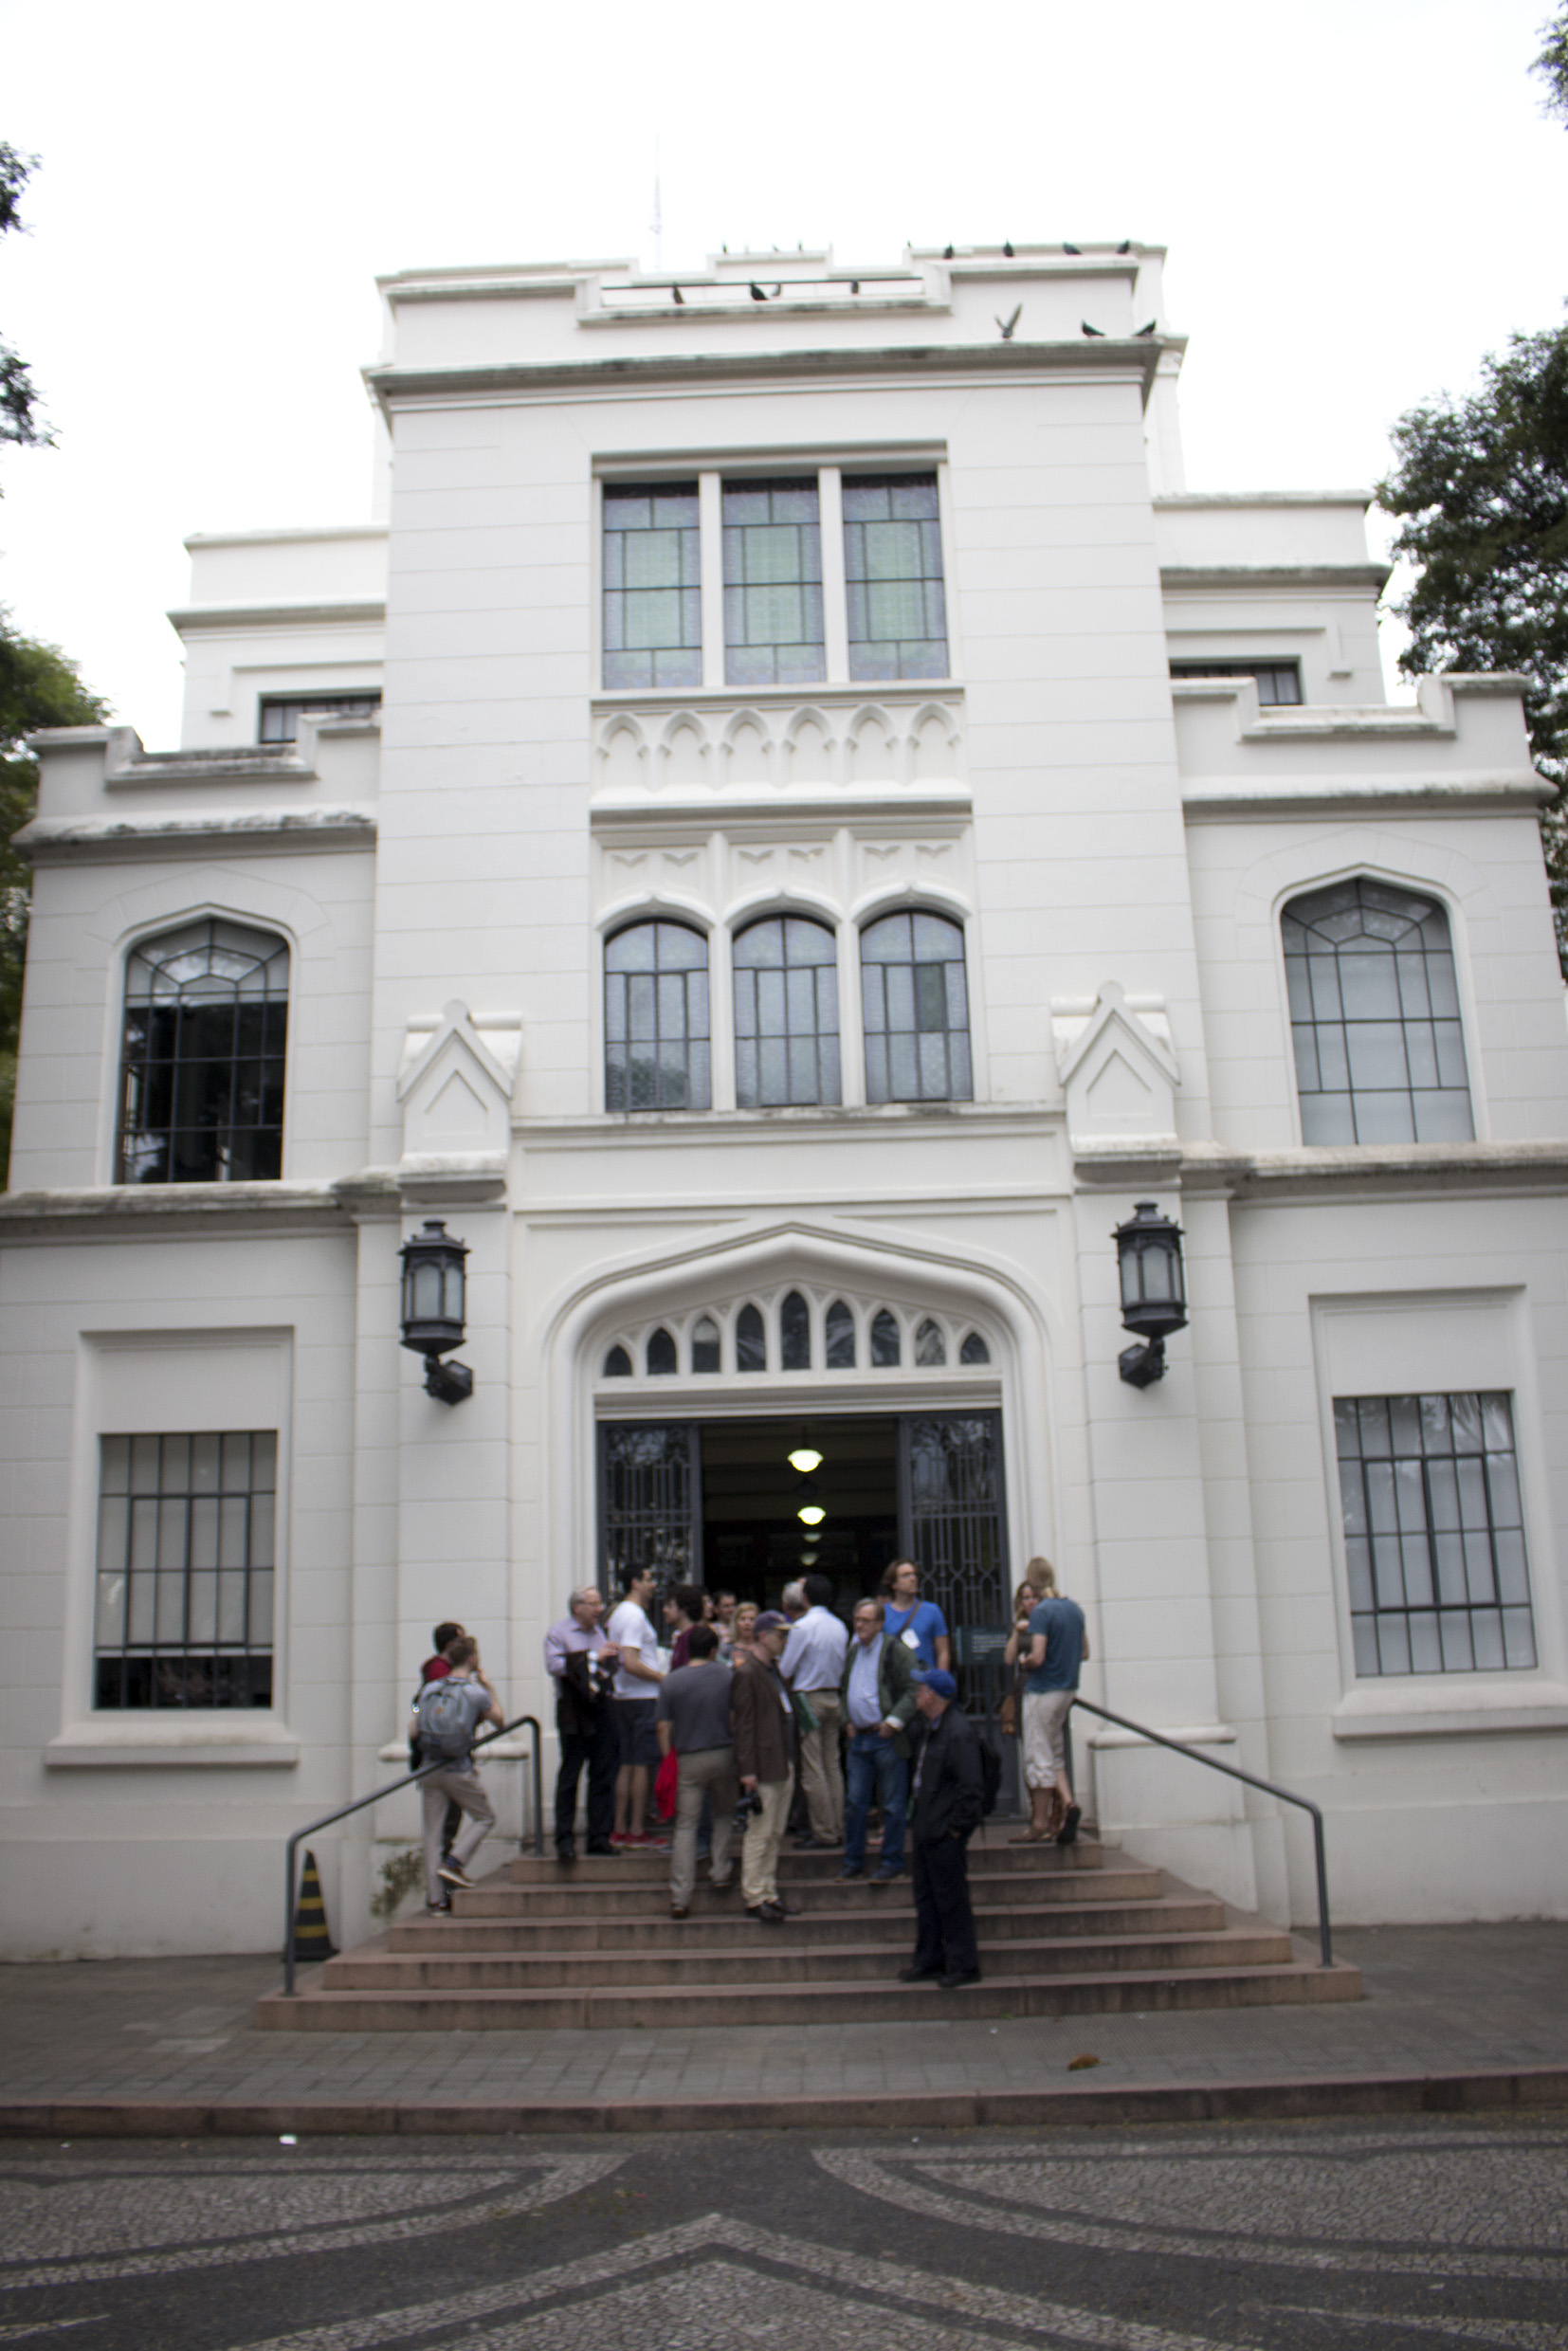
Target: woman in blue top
(919,1623)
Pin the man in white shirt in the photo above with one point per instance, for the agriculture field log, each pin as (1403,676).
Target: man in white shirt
(636,1701)
(812,1664)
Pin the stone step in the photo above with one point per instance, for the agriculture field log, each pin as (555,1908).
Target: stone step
(741,2006)
(769,1955)
(638,1892)
(886,1920)
(640,1862)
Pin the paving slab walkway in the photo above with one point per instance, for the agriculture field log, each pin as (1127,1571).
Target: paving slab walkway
(1440,2001)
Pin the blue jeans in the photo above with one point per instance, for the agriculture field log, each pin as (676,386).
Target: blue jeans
(875,1763)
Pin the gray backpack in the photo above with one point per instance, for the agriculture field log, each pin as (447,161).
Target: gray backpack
(446,1726)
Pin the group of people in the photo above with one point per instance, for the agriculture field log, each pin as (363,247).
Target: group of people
(754,1704)
(748,1705)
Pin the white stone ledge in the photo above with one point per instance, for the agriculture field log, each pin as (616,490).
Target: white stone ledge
(1436,1708)
(120,1741)
(1373,1170)
(1514,791)
(1199,1735)
(190,619)
(60,841)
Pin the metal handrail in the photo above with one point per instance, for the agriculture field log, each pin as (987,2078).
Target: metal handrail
(1286,1795)
(392,1788)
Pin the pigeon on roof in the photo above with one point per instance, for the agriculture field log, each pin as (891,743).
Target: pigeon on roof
(1143,332)
(1072,248)
(1007,247)
(677,293)
(1007,326)
(1091,330)
(947,252)
(757,293)
(1126,246)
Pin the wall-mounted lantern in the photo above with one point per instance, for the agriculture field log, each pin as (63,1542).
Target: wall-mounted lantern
(1154,1291)
(435,1304)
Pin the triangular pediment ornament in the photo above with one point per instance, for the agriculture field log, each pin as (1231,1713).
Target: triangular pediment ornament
(1119,1072)
(455,1085)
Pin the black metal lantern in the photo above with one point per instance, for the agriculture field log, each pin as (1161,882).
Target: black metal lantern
(1154,1291)
(434,1303)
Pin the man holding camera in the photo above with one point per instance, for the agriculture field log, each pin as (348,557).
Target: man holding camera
(762,1728)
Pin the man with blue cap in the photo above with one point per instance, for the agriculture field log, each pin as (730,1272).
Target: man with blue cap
(946,1806)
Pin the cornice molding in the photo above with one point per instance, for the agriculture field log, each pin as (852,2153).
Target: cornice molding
(1246,578)
(1374,1171)
(1213,799)
(395,387)
(189,620)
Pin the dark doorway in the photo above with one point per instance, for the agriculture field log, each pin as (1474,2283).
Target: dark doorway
(754,1539)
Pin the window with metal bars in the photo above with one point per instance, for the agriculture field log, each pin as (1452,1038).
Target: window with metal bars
(657,1051)
(1434,1534)
(280,713)
(186,1568)
(1278,681)
(203,1057)
(916,1005)
(786,1013)
(1375,1016)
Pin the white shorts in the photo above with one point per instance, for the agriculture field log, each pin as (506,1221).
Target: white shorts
(1045,1746)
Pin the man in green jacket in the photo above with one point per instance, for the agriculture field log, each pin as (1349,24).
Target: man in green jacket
(879,1696)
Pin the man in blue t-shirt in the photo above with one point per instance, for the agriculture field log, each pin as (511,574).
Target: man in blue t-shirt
(919,1623)
(1058,1644)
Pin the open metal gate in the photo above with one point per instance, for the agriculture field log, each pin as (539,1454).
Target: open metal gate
(651,1503)
(953,1524)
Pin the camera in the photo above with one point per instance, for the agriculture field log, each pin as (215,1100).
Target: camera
(747,1806)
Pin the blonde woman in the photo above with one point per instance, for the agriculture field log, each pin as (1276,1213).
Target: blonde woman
(742,1626)
(1039,1583)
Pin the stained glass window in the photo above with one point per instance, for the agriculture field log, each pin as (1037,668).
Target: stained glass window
(893,576)
(917,1010)
(1375,1018)
(657,1053)
(652,584)
(772,583)
(786,1013)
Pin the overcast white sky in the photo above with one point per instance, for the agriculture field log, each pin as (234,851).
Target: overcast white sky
(1361,197)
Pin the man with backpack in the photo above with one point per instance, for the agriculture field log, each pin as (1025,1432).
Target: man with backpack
(450,1711)
(947,1805)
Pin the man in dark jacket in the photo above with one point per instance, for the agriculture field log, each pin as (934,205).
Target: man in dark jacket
(582,1664)
(945,1810)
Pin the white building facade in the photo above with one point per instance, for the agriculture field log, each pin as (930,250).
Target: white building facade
(789,826)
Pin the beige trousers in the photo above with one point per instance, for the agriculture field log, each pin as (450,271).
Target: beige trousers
(821,1773)
(764,1836)
(460,1785)
(708,1771)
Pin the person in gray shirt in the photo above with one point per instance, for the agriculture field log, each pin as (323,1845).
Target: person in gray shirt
(694,1721)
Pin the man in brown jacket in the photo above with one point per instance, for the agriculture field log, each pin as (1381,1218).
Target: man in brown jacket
(762,1727)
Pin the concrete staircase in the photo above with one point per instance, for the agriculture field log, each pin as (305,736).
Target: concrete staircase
(540,1945)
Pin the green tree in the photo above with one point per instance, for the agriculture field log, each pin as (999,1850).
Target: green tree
(1552,64)
(1481,488)
(38,687)
(19,417)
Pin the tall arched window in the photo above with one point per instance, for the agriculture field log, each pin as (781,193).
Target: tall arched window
(657,1054)
(786,1013)
(1375,1016)
(202,1064)
(917,1010)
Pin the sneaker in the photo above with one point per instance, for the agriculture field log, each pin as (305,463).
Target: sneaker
(886,1872)
(453,1873)
(439,1909)
(852,1872)
(773,1914)
(619,1837)
(1068,1834)
(565,1849)
(678,1910)
(956,1982)
(721,1886)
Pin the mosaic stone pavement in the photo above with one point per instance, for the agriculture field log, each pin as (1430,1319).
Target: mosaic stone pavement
(1172,2239)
